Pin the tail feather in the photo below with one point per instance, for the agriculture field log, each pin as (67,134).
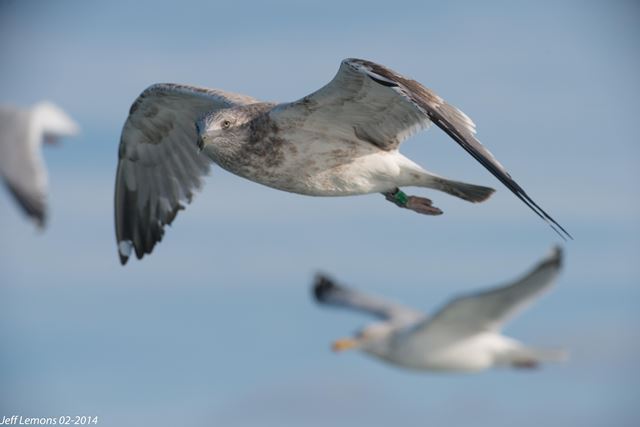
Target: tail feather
(469,192)
(532,357)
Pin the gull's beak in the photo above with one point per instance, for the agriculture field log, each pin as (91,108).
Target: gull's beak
(345,344)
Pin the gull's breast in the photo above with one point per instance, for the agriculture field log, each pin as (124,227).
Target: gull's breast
(308,163)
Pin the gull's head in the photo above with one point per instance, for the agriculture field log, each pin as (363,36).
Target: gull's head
(53,122)
(373,339)
(222,128)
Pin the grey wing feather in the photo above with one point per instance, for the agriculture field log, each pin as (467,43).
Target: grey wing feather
(33,204)
(159,166)
(326,291)
(489,310)
(21,163)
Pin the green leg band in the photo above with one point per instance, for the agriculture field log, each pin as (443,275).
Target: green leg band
(400,198)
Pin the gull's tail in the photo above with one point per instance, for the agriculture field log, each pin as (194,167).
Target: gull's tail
(529,358)
(469,192)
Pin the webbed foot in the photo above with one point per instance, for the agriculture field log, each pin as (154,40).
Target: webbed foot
(417,204)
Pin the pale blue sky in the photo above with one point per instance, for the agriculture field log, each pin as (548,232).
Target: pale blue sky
(217,327)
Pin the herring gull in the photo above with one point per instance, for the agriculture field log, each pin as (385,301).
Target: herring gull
(22,133)
(341,140)
(463,336)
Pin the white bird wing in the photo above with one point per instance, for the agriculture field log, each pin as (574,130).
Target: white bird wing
(373,103)
(326,291)
(159,165)
(21,162)
(490,310)
(53,121)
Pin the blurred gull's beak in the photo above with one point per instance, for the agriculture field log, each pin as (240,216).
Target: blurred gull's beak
(345,344)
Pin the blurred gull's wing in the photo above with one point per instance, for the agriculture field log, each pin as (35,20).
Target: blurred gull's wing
(52,121)
(490,310)
(21,163)
(159,165)
(329,293)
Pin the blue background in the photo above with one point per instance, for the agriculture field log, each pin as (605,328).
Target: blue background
(217,327)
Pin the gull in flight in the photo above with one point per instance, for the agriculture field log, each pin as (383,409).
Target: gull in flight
(22,133)
(341,140)
(463,336)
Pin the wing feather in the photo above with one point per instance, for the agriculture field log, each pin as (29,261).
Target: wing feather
(490,310)
(354,106)
(159,166)
(373,103)
(326,291)
(460,128)
(21,163)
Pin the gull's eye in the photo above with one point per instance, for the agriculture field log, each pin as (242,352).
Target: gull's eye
(226,124)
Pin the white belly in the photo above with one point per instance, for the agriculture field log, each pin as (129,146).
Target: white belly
(472,354)
(307,163)
(319,168)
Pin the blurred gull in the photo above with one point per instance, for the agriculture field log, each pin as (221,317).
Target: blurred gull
(22,167)
(464,336)
(341,140)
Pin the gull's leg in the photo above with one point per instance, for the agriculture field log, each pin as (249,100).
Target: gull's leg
(418,204)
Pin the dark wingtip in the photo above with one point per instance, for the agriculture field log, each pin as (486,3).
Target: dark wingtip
(560,231)
(322,287)
(557,255)
(41,220)
(496,170)
(566,232)
(555,258)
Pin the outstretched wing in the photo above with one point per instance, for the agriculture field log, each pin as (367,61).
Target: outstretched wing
(159,165)
(21,163)
(489,310)
(326,291)
(372,103)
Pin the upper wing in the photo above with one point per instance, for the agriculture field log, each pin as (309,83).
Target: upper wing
(21,163)
(489,310)
(159,166)
(370,102)
(327,292)
(357,104)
